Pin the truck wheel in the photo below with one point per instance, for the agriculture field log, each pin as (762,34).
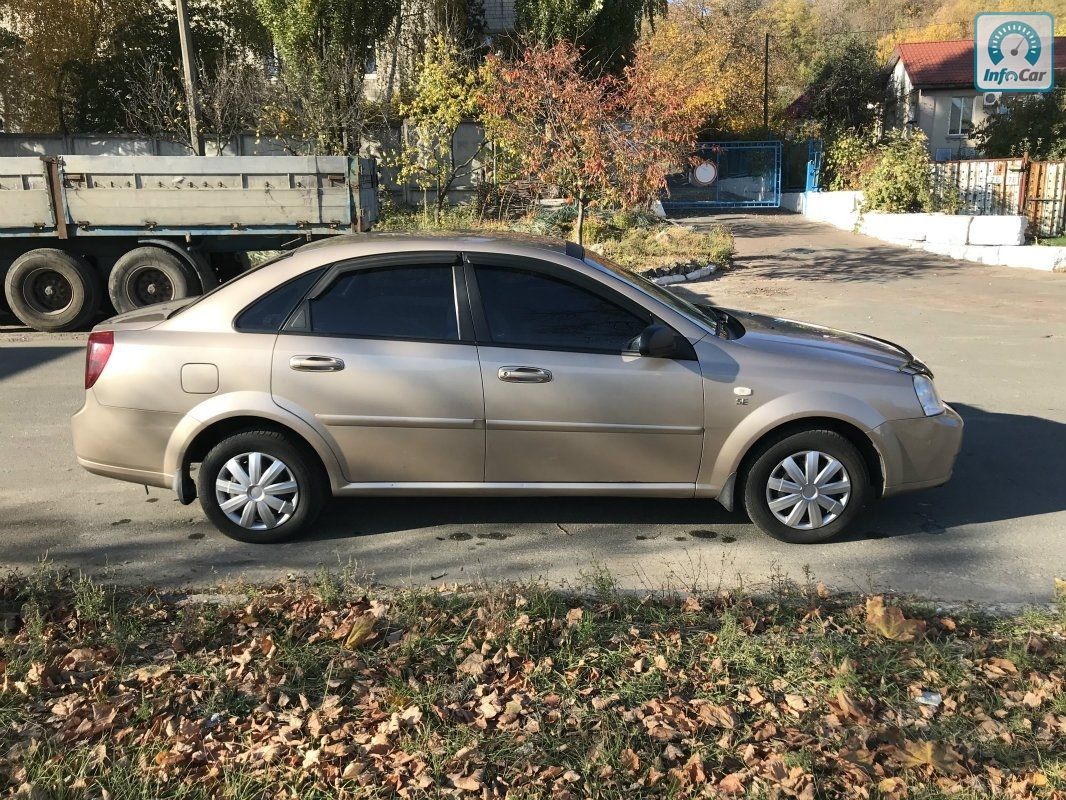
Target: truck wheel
(51,290)
(147,275)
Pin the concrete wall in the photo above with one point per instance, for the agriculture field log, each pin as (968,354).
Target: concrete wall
(839,209)
(983,239)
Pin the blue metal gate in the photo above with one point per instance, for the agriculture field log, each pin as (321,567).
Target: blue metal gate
(728,175)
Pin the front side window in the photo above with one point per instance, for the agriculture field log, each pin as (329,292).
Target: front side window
(528,309)
(389,303)
(961,122)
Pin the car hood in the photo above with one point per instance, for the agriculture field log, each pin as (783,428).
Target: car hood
(762,330)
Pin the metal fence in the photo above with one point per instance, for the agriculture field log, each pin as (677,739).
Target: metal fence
(1036,189)
(728,175)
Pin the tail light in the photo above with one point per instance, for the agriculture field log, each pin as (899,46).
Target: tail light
(96,355)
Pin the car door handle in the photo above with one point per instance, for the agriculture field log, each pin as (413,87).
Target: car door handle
(316,364)
(524,375)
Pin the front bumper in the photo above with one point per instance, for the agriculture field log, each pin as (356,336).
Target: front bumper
(919,453)
(127,444)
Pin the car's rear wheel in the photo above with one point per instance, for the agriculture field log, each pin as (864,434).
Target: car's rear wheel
(261,487)
(807,486)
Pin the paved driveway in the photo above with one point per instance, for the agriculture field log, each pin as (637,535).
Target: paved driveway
(995,337)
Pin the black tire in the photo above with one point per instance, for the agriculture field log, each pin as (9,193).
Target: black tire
(297,457)
(772,453)
(147,275)
(51,290)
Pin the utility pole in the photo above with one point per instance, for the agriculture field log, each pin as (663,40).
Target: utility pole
(189,67)
(766,86)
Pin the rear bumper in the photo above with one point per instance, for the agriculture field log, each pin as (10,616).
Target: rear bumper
(919,453)
(127,444)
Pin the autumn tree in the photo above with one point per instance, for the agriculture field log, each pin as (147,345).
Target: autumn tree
(606,32)
(325,47)
(552,120)
(78,60)
(598,139)
(445,94)
(846,88)
(711,51)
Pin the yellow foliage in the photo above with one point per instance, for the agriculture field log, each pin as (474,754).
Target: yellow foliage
(714,50)
(954,20)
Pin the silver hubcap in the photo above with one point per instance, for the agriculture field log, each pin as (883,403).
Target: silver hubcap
(257,491)
(808,490)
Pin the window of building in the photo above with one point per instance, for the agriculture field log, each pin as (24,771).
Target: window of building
(961,121)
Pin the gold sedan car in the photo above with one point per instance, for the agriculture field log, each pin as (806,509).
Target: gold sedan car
(406,365)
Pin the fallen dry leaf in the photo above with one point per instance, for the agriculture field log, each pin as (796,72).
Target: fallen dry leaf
(362,627)
(890,622)
(938,756)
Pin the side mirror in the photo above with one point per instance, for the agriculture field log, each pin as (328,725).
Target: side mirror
(657,341)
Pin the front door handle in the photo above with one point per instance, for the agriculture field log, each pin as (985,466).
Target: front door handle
(524,375)
(316,364)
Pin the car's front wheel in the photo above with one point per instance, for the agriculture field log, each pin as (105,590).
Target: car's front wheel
(806,487)
(260,487)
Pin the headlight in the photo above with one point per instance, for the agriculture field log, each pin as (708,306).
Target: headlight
(927,396)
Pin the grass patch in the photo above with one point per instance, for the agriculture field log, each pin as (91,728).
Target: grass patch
(330,689)
(648,248)
(635,240)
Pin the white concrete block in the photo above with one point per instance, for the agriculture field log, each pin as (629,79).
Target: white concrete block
(839,209)
(908,243)
(982,254)
(947,229)
(895,227)
(1032,257)
(937,248)
(793,201)
(997,230)
(657,209)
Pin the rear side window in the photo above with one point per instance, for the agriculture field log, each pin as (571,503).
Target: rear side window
(269,312)
(415,302)
(534,310)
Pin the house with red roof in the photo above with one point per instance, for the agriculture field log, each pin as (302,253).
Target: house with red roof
(930,87)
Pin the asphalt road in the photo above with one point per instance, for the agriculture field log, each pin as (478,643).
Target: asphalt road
(995,337)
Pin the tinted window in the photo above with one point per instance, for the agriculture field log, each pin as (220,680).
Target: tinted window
(393,302)
(526,308)
(269,312)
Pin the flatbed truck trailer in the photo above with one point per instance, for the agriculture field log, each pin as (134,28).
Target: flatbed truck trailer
(81,236)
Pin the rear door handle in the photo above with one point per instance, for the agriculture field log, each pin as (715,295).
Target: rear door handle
(524,375)
(316,364)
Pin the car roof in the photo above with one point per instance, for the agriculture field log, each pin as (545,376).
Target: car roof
(372,243)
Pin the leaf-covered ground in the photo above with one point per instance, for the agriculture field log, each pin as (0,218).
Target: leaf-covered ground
(330,690)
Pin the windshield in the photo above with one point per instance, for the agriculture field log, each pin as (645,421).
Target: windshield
(703,314)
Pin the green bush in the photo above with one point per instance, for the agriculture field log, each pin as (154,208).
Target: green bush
(462,217)
(847,158)
(899,182)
